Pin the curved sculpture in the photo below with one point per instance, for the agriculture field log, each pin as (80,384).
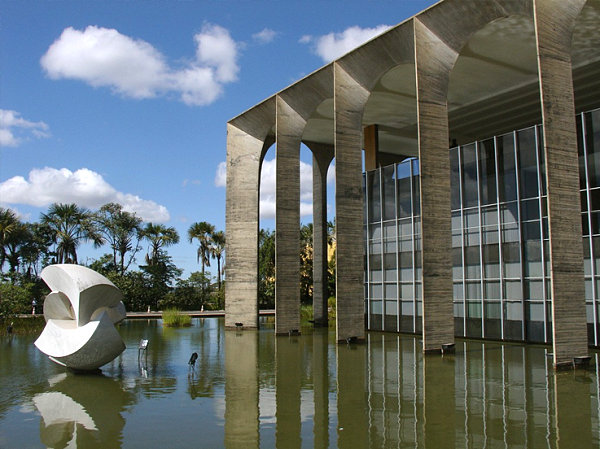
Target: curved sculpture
(81,312)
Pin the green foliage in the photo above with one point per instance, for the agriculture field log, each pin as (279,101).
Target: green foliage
(306,313)
(17,291)
(31,325)
(331,309)
(266,269)
(174,318)
(188,294)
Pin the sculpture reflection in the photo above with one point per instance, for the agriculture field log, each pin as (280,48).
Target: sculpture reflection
(73,415)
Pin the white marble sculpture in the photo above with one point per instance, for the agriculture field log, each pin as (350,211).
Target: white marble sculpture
(81,312)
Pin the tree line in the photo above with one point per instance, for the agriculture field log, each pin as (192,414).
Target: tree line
(25,248)
(156,283)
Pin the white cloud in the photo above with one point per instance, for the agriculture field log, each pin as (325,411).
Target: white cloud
(103,57)
(14,128)
(265,36)
(267,186)
(333,45)
(83,187)
(221,175)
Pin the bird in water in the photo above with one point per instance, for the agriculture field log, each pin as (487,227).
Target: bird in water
(193,359)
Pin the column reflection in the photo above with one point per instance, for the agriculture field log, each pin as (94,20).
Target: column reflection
(288,378)
(320,366)
(241,390)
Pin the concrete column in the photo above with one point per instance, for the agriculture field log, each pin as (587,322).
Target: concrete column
(241,390)
(349,100)
(322,156)
(554,22)
(433,61)
(243,168)
(289,127)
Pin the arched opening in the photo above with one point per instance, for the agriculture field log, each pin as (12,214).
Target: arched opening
(498,189)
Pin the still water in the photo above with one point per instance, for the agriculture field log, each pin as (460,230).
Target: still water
(250,390)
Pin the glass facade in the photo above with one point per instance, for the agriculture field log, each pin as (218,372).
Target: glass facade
(500,248)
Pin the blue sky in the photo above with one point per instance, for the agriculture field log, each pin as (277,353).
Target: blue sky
(128,101)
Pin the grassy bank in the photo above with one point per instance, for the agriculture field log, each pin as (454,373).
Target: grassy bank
(175,318)
(22,326)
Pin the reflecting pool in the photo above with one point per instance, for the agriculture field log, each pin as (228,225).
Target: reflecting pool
(250,389)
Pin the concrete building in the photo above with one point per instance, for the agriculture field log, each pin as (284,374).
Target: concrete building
(468,221)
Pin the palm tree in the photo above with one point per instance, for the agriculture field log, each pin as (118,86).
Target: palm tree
(121,229)
(158,235)
(202,231)
(8,224)
(218,239)
(70,225)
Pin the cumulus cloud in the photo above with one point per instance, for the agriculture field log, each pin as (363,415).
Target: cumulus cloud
(265,36)
(83,187)
(333,45)
(267,187)
(103,57)
(14,129)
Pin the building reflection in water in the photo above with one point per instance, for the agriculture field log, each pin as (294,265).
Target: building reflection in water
(72,414)
(386,393)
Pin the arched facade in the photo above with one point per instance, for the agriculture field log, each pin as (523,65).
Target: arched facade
(398,97)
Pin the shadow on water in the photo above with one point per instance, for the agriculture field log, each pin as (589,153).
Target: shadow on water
(251,389)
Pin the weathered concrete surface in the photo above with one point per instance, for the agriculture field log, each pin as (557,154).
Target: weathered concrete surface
(350,98)
(289,127)
(554,22)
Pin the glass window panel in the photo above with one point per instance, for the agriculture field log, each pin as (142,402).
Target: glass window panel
(585,224)
(506,167)
(407,291)
(376,307)
(595,199)
(491,261)
(490,235)
(376,291)
(389,230)
(513,290)
(459,310)
(458,291)
(391,291)
(471,218)
(492,310)
(595,219)
(389,266)
(513,311)
(596,249)
(388,191)
(472,237)
(391,308)
(404,196)
(534,290)
(406,245)
(416,195)
(532,259)
(469,175)
(456,221)
(509,212)
(587,262)
(535,311)
(583,197)
(530,210)
(405,228)
(589,293)
(487,171)
(489,216)
(456,239)
(390,246)
(582,176)
(457,263)
(472,263)
(406,266)
(454,180)
(408,308)
(511,255)
(473,309)
(418,291)
(492,290)
(526,144)
(592,139)
(375,196)
(375,231)
(473,290)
